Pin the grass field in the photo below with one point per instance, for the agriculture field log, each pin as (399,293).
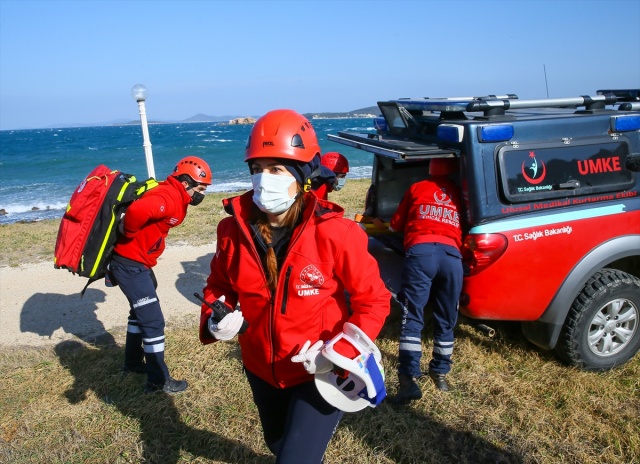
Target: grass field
(511,403)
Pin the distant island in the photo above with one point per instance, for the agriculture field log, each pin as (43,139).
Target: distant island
(368,112)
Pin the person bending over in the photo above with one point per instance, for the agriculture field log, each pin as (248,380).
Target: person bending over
(145,227)
(429,215)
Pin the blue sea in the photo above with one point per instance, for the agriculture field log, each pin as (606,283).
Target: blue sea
(40,168)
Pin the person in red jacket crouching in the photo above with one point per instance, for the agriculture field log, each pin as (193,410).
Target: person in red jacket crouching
(286,257)
(145,227)
(429,214)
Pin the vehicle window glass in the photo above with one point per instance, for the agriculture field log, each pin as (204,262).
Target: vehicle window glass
(538,171)
(394,119)
(393,178)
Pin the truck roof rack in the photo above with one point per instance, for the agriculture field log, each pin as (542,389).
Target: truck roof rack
(496,105)
(624,95)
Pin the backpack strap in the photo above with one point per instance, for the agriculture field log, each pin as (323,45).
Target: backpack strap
(147,185)
(89,282)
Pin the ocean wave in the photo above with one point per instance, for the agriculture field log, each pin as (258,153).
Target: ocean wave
(237,186)
(22,208)
(360,172)
(360,129)
(31,216)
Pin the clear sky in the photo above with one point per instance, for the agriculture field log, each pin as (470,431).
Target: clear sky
(64,62)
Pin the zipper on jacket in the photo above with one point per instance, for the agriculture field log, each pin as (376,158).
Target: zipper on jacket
(283,306)
(272,331)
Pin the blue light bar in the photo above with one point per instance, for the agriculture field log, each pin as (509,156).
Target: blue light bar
(495,133)
(380,123)
(450,133)
(625,123)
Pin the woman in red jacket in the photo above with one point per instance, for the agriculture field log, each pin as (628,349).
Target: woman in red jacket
(287,257)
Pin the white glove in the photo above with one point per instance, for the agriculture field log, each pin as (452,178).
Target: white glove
(312,358)
(228,327)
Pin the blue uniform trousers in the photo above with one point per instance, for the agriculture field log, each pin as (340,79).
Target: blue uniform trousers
(145,329)
(430,270)
(297,422)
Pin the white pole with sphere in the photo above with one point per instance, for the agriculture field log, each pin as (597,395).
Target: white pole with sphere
(139,94)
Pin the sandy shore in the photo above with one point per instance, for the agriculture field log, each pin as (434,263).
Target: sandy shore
(41,306)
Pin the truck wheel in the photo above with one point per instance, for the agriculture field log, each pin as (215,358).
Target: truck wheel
(602,328)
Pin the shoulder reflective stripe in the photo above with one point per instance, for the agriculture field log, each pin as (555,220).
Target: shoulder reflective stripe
(547,219)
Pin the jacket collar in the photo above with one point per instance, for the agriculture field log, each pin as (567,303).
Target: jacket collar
(175,183)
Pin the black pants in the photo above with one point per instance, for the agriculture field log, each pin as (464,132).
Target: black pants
(145,329)
(297,422)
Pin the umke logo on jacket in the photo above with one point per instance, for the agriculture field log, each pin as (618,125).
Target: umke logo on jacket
(311,279)
(440,211)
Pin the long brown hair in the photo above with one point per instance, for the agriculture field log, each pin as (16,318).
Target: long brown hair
(290,220)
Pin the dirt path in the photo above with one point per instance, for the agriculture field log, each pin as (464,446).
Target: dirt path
(41,306)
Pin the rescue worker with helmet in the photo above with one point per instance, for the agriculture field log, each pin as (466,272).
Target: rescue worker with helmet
(282,256)
(429,214)
(339,166)
(145,227)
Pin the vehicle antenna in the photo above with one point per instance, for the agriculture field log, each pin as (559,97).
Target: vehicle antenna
(545,79)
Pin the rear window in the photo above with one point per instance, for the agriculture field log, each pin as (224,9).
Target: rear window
(531,172)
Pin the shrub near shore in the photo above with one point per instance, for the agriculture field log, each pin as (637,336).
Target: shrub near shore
(511,403)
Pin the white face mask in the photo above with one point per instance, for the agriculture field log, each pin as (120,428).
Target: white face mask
(271,192)
(340,181)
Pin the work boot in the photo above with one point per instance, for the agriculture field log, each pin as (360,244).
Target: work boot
(439,380)
(171,386)
(136,368)
(407,391)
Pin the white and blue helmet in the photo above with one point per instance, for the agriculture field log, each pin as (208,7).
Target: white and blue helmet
(362,384)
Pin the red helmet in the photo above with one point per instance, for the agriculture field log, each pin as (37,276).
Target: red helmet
(282,134)
(443,166)
(335,162)
(194,167)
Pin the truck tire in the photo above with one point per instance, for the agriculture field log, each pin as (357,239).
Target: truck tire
(602,329)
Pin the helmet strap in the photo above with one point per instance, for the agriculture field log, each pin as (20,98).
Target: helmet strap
(307,183)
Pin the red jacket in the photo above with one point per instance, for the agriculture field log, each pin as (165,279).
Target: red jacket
(323,191)
(327,254)
(148,220)
(430,211)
